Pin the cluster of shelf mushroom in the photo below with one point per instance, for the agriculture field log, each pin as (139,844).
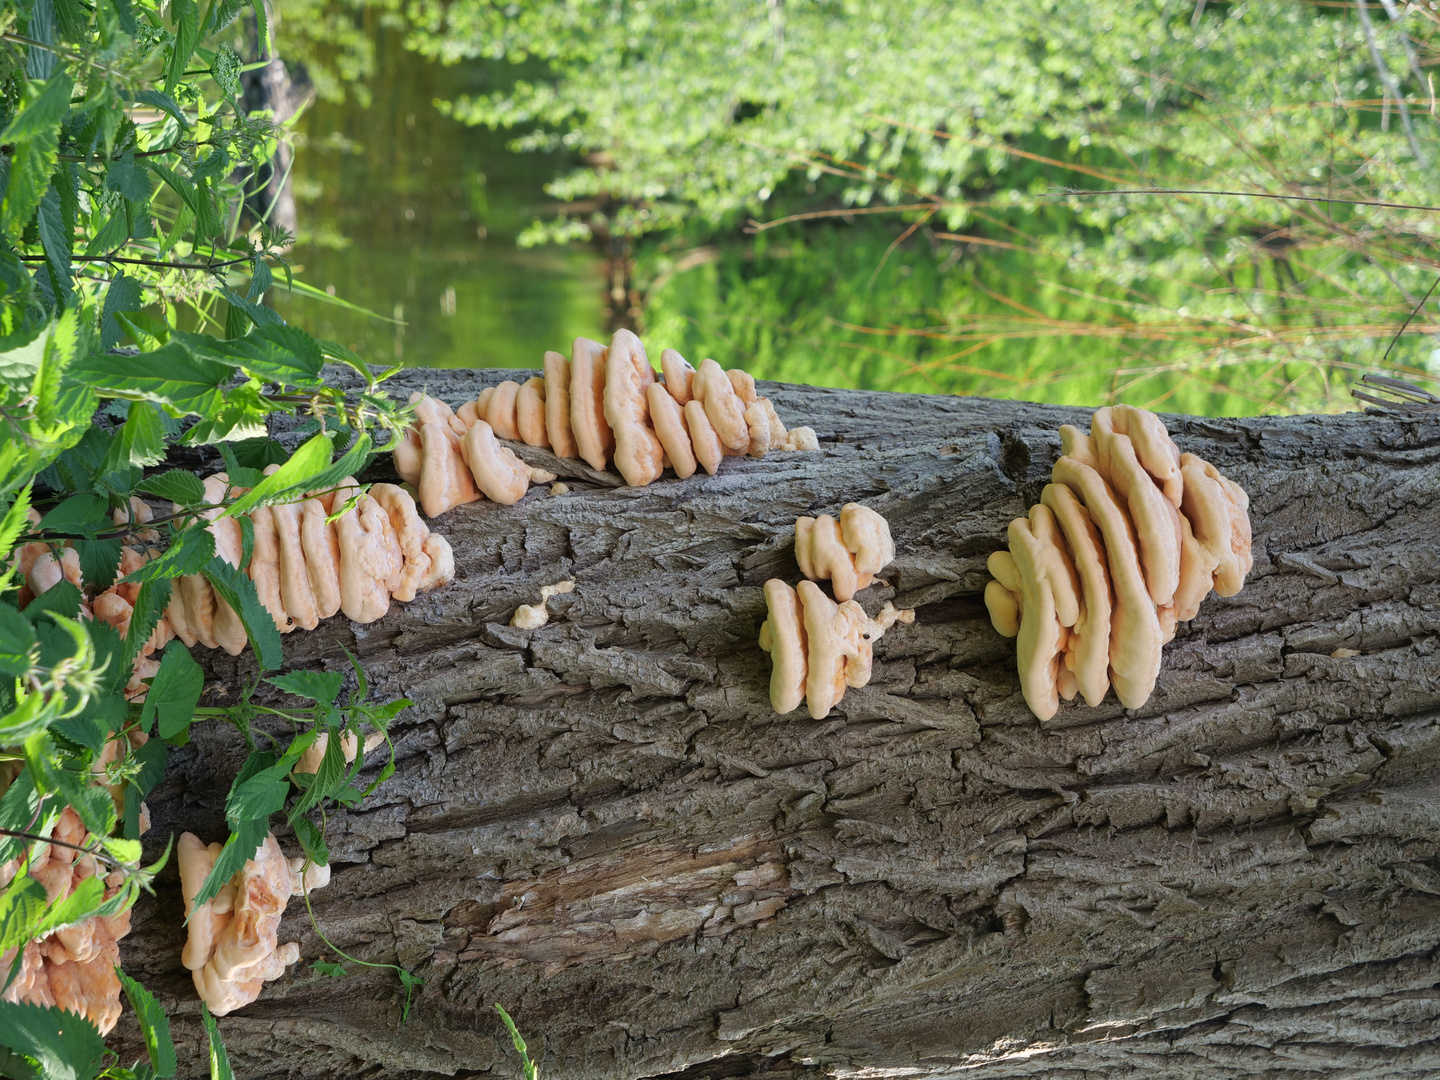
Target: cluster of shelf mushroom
(72,967)
(232,949)
(819,648)
(604,405)
(305,567)
(1127,540)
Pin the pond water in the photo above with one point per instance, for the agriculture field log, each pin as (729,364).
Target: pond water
(413,217)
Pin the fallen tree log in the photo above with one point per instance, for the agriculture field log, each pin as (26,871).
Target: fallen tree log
(602,825)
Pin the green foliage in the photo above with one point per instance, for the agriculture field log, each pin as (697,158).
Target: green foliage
(982,163)
(132,321)
(532,1070)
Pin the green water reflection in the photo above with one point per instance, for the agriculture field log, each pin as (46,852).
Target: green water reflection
(409,214)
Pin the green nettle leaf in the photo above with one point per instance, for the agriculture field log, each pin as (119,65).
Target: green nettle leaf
(22,911)
(239,849)
(61,1045)
(126,14)
(187,36)
(208,222)
(55,239)
(177,485)
(324,967)
(153,1026)
(219,1060)
(236,589)
(191,551)
(62,598)
(174,692)
(142,439)
(294,476)
(320,686)
(72,19)
(99,559)
(260,279)
(44,111)
(84,514)
(222,14)
(277,352)
(169,376)
(111,236)
(163,102)
(30,168)
(16,519)
(124,294)
(150,604)
(17,642)
(20,357)
(128,178)
(328,779)
(312,841)
(263,24)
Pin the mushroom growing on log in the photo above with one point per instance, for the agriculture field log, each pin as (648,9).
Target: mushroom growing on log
(606,828)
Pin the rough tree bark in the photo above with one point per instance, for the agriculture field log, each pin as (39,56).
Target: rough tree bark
(602,825)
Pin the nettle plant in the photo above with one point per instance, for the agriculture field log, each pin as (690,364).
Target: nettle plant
(132,323)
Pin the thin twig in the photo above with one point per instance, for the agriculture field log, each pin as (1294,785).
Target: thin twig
(1408,318)
(142,262)
(1240,194)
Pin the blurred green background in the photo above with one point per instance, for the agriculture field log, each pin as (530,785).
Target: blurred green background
(885,196)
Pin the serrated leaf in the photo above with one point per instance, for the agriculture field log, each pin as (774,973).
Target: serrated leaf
(170,375)
(174,692)
(124,294)
(63,598)
(153,1026)
(43,113)
(129,178)
(83,514)
(262,23)
(164,102)
(141,441)
(150,604)
(260,279)
(187,35)
(20,357)
(320,686)
(55,239)
(16,520)
(30,169)
(312,841)
(126,14)
(240,848)
(111,236)
(189,553)
(61,1045)
(329,778)
(177,485)
(72,19)
(310,460)
(22,910)
(99,560)
(236,589)
(334,971)
(18,644)
(219,1060)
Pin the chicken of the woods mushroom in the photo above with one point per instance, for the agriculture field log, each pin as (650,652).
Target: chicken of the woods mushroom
(604,405)
(847,553)
(1127,540)
(817,647)
(73,967)
(232,949)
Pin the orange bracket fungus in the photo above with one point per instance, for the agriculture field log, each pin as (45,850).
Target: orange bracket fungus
(605,406)
(232,949)
(819,648)
(1126,541)
(848,553)
(73,967)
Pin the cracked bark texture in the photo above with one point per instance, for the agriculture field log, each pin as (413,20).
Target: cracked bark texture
(602,825)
